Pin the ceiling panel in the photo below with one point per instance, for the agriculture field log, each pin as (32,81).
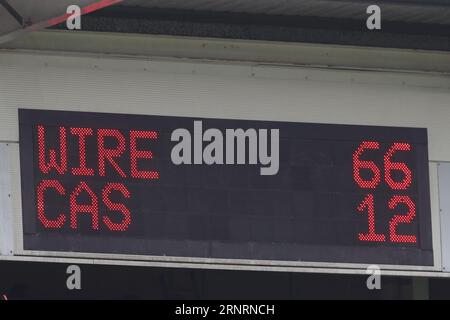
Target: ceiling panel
(42,13)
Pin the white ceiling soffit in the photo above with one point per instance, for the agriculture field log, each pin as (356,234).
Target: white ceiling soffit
(426,11)
(20,16)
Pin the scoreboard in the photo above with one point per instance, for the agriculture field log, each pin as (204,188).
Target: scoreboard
(224,189)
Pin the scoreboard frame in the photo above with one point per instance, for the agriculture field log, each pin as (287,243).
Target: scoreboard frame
(193,262)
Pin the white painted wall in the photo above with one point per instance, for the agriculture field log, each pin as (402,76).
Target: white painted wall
(224,91)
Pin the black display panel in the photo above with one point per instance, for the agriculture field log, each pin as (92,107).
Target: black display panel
(227,189)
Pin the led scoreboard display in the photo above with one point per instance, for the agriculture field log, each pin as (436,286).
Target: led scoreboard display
(224,189)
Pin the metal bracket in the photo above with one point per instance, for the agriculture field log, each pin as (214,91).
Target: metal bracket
(6,214)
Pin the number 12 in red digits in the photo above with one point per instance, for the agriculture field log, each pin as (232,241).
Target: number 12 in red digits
(369,202)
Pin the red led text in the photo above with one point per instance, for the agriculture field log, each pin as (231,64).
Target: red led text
(117,156)
(402,206)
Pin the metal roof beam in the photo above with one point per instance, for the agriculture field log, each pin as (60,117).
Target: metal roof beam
(401,2)
(136,46)
(58,15)
(12,12)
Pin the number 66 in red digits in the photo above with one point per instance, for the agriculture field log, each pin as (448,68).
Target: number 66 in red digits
(389,167)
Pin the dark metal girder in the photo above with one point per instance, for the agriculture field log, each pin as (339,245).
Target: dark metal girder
(124,19)
(12,12)
(405,3)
